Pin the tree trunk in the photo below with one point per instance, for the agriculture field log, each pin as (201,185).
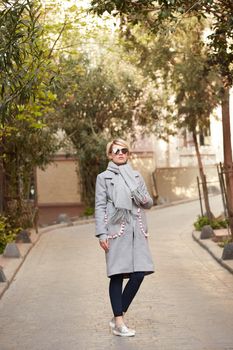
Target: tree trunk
(228,166)
(1,188)
(2,181)
(203,177)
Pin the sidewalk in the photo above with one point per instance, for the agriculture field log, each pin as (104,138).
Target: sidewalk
(59,297)
(210,246)
(214,250)
(10,266)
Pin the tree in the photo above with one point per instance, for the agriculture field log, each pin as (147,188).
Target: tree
(95,104)
(157,15)
(25,74)
(178,66)
(196,89)
(100,95)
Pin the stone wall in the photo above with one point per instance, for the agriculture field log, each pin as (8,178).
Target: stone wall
(145,164)
(58,186)
(58,190)
(181,183)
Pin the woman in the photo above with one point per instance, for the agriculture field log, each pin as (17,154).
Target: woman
(121,197)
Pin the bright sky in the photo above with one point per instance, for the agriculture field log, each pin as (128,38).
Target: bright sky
(105,20)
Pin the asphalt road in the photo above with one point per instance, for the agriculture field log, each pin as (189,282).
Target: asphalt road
(59,298)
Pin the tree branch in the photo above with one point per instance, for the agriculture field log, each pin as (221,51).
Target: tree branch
(56,41)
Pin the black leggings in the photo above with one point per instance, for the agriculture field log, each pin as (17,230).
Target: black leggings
(121,301)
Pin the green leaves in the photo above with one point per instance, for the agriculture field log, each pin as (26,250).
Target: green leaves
(98,99)
(21,50)
(7,232)
(26,71)
(156,15)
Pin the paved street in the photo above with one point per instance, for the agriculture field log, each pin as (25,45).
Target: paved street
(59,299)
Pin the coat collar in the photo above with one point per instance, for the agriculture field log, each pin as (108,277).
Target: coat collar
(107,174)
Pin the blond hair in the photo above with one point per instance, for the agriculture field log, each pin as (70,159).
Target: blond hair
(118,142)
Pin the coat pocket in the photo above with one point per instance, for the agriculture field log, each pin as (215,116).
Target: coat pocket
(143,222)
(117,230)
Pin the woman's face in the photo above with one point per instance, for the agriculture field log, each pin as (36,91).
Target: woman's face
(119,154)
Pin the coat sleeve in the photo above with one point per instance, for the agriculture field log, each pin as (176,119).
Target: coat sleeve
(100,206)
(147,200)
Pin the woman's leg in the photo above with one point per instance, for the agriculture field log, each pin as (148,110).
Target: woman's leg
(131,289)
(115,293)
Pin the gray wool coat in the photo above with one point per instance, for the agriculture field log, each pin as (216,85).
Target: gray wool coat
(128,242)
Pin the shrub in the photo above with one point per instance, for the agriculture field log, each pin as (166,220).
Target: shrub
(89,211)
(7,232)
(214,223)
(224,242)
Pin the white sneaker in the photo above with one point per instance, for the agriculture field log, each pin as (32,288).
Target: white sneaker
(123,331)
(112,323)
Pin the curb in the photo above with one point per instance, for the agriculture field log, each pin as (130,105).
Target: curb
(214,250)
(171,204)
(178,202)
(18,262)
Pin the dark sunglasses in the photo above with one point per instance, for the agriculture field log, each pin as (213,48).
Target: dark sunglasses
(118,150)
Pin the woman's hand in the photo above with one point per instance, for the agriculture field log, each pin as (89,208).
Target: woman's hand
(104,244)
